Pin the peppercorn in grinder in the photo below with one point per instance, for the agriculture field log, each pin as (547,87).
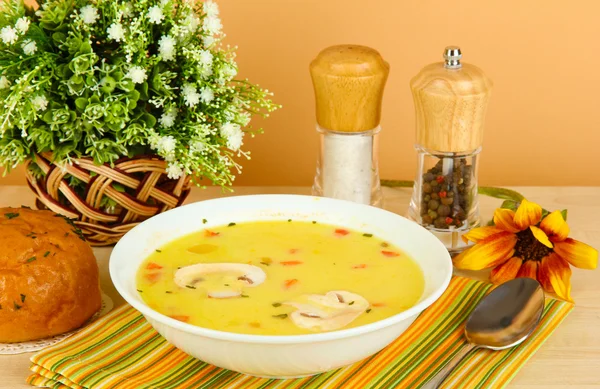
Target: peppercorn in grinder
(451,101)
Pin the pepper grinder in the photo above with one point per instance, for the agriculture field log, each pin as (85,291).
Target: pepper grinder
(451,100)
(348,82)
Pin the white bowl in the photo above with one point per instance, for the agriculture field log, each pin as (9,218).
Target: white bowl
(280,356)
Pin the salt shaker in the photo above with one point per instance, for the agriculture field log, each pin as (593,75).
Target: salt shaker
(451,99)
(348,82)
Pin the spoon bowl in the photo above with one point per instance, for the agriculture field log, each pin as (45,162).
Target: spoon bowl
(502,319)
(507,316)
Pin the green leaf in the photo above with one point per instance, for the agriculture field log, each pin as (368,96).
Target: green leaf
(118,187)
(510,204)
(148,119)
(127,85)
(134,95)
(85,48)
(81,103)
(564,213)
(59,37)
(144,91)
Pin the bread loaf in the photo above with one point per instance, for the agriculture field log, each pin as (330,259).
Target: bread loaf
(48,275)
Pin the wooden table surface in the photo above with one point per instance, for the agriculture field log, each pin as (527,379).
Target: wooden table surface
(569,359)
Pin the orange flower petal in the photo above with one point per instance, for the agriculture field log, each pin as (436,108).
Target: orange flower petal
(529,269)
(489,252)
(555,226)
(541,236)
(507,271)
(577,253)
(480,233)
(544,275)
(528,214)
(556,271)
(504,219)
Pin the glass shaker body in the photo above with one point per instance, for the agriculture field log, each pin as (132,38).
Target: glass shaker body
(347,166)
(445,197)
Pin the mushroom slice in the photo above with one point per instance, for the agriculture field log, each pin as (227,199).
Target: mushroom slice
(331,311)
(246,275)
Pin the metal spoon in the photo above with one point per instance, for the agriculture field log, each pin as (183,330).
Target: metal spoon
(502,319)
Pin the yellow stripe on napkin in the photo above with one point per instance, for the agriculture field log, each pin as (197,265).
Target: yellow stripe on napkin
(121,350)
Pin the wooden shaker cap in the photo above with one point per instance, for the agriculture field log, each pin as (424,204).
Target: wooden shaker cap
(450,106)
(348,81)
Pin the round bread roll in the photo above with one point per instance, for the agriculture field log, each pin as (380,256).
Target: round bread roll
(48,275)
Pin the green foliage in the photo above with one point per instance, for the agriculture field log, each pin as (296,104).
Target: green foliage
(109,79)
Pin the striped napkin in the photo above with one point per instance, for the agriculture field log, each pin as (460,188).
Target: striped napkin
(121,350)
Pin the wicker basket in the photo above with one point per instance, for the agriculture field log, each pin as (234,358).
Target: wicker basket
(148,193)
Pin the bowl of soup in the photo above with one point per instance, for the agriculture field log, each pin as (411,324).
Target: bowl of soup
(280,286)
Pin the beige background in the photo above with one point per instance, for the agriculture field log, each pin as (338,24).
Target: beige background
(543,123)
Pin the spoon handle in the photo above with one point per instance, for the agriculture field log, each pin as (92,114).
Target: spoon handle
(437,380)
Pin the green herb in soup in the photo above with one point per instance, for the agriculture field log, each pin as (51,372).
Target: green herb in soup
(279,278)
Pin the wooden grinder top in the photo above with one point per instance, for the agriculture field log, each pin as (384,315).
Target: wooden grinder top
(451,100)
(348,81)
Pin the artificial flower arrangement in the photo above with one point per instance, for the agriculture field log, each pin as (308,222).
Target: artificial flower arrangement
(108,79)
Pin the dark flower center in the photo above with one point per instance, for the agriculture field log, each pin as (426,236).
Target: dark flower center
(529,248)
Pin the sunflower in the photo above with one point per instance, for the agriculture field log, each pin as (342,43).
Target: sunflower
(522,244)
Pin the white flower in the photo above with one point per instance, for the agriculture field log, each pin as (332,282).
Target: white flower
(207,95)
(40,102)
(155,14)
(206,58)
(197,147)
(89,14)
(210,8)
(208,41)
(116,32)
(190,95)
(127,9)
(166,48)
(206,72)
(168,118)
(164,2)
(243,118)
(154,140)
(8,35)
(191,22)
(166,144)
(229,71)
(4,83)
(233,134)
(29,47)
(174,171)
(212,25)
(137,74)
(234,142)
(229,128)
(22,25)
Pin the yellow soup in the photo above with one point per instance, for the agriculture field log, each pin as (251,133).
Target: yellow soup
(279,278)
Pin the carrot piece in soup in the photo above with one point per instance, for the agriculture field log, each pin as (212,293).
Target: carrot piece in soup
(341,232)
(153,266)
(378,305)
(153,277)
(291,263)
(361,266)
(289,283)
(210,234)
(182,318)
(390,254)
